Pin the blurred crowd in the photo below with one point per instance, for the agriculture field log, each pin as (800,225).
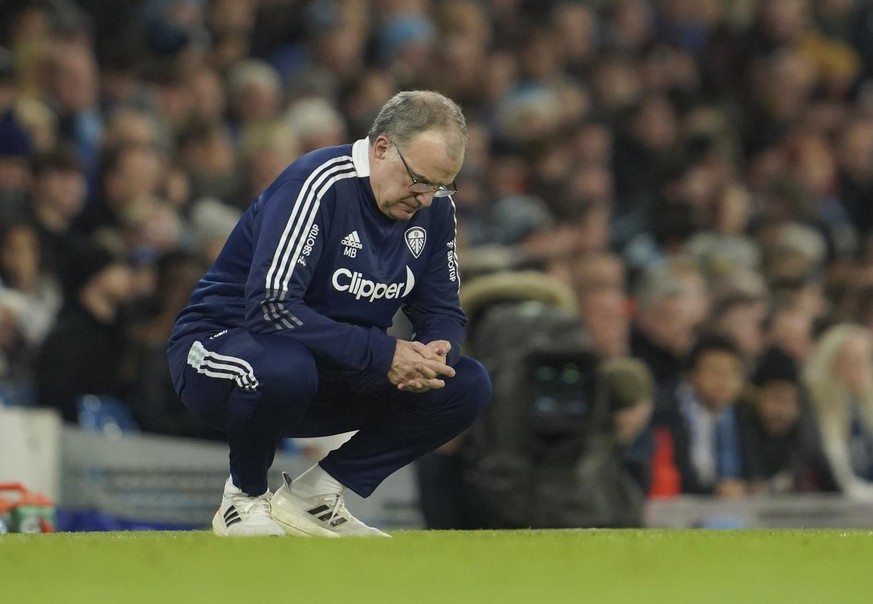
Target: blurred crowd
(698,173)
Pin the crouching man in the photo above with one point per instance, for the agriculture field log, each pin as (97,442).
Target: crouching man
(285,335)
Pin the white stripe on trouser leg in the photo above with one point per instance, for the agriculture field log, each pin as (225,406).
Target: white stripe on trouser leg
(212,364)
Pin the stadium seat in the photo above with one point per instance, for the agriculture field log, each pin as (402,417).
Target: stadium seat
(17,394)
(105,414)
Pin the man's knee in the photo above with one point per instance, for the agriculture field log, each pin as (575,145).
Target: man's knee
(287,369)
(472,387)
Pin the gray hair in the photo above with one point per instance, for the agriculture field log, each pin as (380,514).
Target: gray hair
(658,284)
(411,112)
(252,72)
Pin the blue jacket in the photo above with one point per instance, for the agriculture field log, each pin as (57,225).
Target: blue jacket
(314,259)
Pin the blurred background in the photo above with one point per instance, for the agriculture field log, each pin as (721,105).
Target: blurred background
(664,236)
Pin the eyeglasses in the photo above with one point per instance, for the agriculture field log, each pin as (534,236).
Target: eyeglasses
(419,187)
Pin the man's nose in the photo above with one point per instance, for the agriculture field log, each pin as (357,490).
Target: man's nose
(425,199)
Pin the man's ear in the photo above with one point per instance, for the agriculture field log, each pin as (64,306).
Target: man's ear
(381,146)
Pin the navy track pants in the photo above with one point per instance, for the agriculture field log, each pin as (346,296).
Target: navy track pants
(260,388)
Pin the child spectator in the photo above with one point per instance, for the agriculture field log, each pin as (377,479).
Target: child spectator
(778,435)
(697,421)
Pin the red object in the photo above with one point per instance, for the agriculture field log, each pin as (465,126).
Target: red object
(666,481)
(25,498)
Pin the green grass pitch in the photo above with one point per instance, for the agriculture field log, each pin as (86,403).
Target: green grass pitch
(627,566)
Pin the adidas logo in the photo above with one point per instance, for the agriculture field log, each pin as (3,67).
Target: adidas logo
(323,513)
(352,243)
(231,517)
(352,240)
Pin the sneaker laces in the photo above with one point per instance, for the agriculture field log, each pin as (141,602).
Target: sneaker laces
(339,509)
(253,505)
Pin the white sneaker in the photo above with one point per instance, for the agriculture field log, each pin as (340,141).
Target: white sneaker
(241,515)
(319,516)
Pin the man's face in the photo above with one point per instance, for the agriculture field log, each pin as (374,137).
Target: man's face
(744,323)
(427,159)
(140,173)
(604,313)
(64,190)
(670,324)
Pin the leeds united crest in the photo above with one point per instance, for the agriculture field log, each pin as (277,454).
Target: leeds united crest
(415,238)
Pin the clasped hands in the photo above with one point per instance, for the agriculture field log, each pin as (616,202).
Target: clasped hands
(417,367)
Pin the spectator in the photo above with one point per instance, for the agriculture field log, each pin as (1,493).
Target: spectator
(206,152)
(15,173)
(152,399)
(266,148)
(129,125)
(207,91)
(315,123)
(854,156)
(839,377)
(698,420)
(83,351)
(130,173)
(57,199)
(606,316)
(631,402)
(23,276)
(593,271)
(598,280)
(254,92)
(779,436)
(211,223)
(741,319)
(40,123)
(666,317)
(789,328)
(73,90)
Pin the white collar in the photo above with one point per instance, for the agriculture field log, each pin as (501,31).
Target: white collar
(361,157)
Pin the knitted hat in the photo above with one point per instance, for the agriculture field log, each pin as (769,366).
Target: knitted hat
(628,381)
(775,365)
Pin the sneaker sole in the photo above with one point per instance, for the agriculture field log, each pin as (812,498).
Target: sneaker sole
(219,528)
(295,523)
(308,531)
(292,522)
